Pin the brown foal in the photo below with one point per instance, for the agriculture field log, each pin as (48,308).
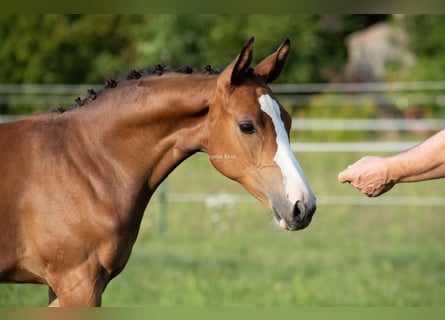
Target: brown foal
(74,185)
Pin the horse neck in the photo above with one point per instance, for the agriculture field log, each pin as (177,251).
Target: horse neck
(149,126)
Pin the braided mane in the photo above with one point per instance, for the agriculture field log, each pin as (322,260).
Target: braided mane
(157,70)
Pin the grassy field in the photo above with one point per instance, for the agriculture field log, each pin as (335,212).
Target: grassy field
(232,254)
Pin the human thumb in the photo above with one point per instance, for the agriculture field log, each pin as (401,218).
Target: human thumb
(344,176)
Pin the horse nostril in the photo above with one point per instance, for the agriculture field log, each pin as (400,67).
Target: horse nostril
(300,210)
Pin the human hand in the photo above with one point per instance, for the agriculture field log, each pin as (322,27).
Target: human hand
(369,175)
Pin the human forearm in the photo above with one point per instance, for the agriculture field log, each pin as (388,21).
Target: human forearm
(423,162)
(373,176)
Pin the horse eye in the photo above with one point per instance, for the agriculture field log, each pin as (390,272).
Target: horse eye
(247,127)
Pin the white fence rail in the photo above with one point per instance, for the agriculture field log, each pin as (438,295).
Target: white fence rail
(51,95)
(390,93)
(381,146)
(399,94)
(383,93)
(231,198)
(381,124)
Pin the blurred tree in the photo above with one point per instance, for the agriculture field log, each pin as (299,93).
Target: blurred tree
(64,48)
(318,49)
(172,39)
(90,48)
(427,41)
(199,40)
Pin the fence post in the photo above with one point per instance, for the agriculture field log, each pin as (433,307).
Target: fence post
(163,207)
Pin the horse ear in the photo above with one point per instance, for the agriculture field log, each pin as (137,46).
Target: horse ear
(270,67)
(235,71)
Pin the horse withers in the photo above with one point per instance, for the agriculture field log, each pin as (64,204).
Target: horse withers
(74,185)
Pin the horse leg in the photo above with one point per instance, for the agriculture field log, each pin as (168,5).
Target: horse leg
(79,287)
(84,294)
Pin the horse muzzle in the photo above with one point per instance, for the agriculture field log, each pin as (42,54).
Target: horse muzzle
(297,217)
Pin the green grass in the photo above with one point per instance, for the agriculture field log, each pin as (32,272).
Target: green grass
(234,255)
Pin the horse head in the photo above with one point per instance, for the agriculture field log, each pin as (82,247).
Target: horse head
(248,138)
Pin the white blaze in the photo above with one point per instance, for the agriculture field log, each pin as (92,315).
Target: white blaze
(294,181)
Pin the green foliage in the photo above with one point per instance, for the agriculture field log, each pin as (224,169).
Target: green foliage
(63,48)
(90,48)
(428,43)
(317,40)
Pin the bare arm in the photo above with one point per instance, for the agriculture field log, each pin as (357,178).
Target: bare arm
(375,175)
